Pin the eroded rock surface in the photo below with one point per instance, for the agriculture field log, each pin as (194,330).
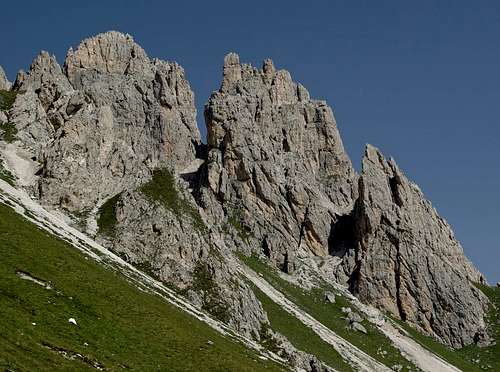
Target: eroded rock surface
(407,260)
(276,164)
(105,122)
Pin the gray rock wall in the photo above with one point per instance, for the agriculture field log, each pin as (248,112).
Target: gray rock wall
(276,162)
(104,122)
(407,260)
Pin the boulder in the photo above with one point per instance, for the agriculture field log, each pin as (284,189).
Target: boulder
(330,297)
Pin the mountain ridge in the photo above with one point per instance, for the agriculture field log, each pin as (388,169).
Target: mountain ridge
(113,133)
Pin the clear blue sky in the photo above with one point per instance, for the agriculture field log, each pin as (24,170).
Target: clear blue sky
(418,79)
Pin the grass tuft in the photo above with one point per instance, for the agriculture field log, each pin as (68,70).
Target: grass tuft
(9,132)
(7,99)
(204,283)
(235,220)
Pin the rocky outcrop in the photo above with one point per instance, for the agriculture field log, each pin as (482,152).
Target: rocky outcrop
(4,83)
(105,122)
(407,260)
(168,239)
(276,164)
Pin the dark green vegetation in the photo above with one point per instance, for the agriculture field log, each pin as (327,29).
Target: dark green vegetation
(119,326)
(235,220)
(6,175)
(106,222)
(313,302)
(162,189)
(7,98)
(9,132)
(204,283)
(470,358)
(302,337)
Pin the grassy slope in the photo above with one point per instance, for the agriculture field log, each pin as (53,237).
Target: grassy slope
(331,316)
(302,337)
(123,326)
(471,358)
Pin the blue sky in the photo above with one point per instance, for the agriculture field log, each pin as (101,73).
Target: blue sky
(420,80)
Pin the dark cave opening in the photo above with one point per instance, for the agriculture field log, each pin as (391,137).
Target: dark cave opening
(342,235)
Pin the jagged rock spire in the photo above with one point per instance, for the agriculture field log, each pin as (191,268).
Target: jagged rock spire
(108,53)
(408,261)
(4,83)
(277,161)
(105,121)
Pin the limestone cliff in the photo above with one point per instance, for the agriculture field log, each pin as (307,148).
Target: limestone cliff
(276,163)
(407,260)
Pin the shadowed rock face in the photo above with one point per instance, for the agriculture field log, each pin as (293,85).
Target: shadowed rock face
(277,161)
(105,121)
(407,260)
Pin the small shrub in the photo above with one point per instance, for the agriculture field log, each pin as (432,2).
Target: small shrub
(9,132)
(267,340)
(7,98)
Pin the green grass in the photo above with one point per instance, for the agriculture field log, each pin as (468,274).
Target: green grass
(9,132)
(313,302)
(162,188)
(106,222)
(6,175)
(119,326)
(489,357)
(7,98)
(302,337)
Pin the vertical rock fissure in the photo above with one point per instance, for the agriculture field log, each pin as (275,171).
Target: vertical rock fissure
(303,226)
(393,185)
(397,273)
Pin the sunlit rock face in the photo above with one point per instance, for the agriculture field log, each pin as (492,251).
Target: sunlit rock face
(276,160)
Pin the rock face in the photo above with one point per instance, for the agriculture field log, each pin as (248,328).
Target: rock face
(4,83)
(407,260)
(105,121)
(276,164)
(166,237)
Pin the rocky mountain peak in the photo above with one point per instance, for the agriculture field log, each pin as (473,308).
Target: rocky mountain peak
(276,160)
(115,129)
(407,259)
(4,83)
(105,121)
(109,53)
